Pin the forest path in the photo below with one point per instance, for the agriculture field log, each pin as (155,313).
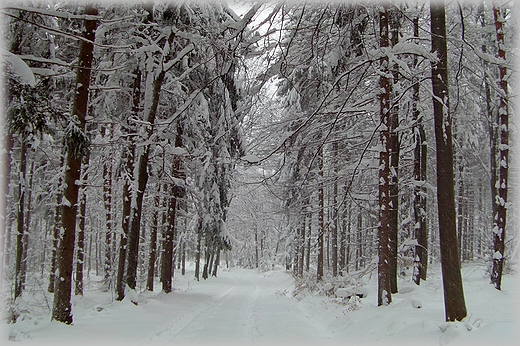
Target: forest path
(246,308)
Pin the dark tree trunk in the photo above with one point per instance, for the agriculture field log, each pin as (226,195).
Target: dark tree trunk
(419,174)
(20,222)
(321,217)
(107,202)
(335,223)
(168,244)
(56,230)
(301,254)
(206,263)
(455,306)
(62,309)
(216,264)
(197,252)
(499,229)
(393,212)
(81,233)
(153,242)
(128,178)
(384,296)
(308,247)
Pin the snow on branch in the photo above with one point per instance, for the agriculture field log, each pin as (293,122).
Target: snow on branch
(17,69)
(59,14)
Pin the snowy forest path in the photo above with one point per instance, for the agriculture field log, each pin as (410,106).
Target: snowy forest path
(247,308)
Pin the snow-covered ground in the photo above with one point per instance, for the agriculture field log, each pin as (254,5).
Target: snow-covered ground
(245,307)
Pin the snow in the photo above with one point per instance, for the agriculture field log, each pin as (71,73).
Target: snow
(17,68)
(244,307)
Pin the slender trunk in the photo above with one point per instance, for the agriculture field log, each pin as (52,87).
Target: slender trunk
(301,254)
(153,242)
(128,178)
(27,227)
(197,252)
(393,188)
(384,296)
(107,202)
(56,230)
(20,221)
(419,174)
(168,244)
(256,248)
(308,247)
(335,223)
(321,217)
(206,263)
(216,264)
(499,227)
(455,306)
(81,233)
(62,307)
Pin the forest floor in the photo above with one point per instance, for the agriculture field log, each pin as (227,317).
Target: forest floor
(248,307)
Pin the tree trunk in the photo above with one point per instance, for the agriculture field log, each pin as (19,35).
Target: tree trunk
(128,178)
(393,188)
(62,308)
(197,252)
(321,217)
(384,296)
(216,264)
(153,241)
(81,233)
(168,244)
(56,230)
(499,227)
(454,304)
(419,174)
(335,223)
(107,202)
(20,222)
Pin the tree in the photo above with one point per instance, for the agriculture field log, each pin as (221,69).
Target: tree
(499,227)
(76,143)
(454,304)
(384,296)
(419,179)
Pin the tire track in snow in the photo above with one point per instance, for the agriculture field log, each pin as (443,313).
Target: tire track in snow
(171,329)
